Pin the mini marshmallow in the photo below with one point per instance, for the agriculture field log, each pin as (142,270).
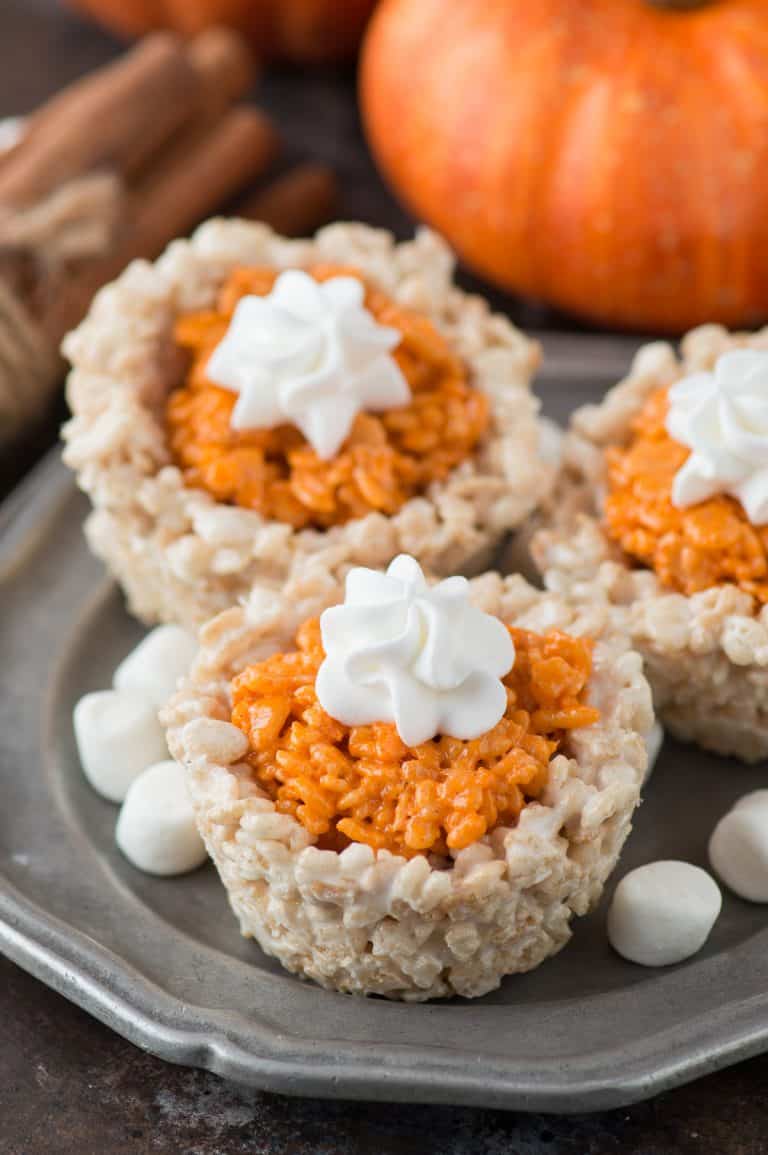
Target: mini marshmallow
(118,734)
(156,828)
(654,740)
(756,800)
(156,665)
(663,913)
(738,848)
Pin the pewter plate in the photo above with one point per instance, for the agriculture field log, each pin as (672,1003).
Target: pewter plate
(162,963)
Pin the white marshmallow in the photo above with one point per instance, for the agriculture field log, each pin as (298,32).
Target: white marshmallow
(756,800)
(117,734)
(654,740)
(157,663)
(738,848)
(663,913)
(156,828)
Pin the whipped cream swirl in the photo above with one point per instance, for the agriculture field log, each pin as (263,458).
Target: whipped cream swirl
(723,418)
(309,354)
(423,657)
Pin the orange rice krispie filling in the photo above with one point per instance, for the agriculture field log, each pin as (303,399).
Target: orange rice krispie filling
(362,784)
(387,458)
(689,549)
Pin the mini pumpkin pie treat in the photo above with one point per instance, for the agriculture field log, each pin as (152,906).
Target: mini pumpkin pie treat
(661,516)
(410,788)
(256,410)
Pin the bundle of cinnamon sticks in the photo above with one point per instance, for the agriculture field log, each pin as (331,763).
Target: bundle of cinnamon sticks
(113,168)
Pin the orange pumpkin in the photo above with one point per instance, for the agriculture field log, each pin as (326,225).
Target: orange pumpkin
(297,29)
(609,157)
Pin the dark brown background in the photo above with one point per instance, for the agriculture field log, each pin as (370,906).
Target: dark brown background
(67,1085)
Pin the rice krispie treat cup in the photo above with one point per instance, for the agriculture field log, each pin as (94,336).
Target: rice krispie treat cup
(659,518)
(433,866)
(251,409)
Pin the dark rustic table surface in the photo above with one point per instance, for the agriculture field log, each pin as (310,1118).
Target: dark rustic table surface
(67,1084)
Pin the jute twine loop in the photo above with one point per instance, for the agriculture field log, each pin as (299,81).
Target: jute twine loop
(30,366)
(76,222)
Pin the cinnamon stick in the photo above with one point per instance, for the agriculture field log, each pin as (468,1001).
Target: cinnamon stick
(234,152)
(226,70)
(225,66)
(222,60)
(117,119)
(297,203)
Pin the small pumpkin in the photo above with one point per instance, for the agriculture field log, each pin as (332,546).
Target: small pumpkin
(609,157)
(295,29)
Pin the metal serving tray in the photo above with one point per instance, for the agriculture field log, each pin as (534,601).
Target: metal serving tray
(161,961)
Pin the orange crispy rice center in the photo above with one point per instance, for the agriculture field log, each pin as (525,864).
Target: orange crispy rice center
(387,458)
(363,784)
(689,549)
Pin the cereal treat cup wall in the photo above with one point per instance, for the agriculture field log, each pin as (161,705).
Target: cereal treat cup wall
(182,556)
(706,654)
(370,921)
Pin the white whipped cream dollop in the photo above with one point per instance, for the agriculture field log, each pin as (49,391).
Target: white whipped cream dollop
(423,657)
(309,354)
(722,417)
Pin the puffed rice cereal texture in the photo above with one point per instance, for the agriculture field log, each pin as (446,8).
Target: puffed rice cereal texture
(706,655)
(181,556)
(372,922)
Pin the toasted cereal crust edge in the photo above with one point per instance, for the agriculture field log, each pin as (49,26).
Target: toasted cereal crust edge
(179,554)
(706,655)
(370,922)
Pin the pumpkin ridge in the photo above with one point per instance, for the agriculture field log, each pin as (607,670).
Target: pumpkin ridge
(618,171)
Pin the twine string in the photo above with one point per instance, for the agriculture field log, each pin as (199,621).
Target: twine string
(76,222)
